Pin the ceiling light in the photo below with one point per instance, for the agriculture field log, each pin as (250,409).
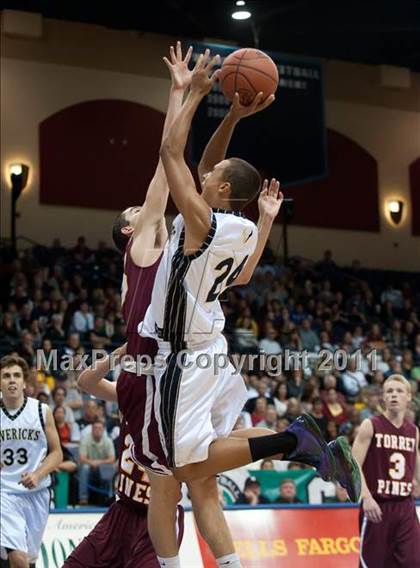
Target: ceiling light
(240,2)
(241,15)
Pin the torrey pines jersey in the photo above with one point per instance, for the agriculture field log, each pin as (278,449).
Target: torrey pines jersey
(23,444)
(391,460)
(185,310)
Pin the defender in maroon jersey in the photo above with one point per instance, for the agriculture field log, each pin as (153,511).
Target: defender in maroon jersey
(121,539)
(387,449)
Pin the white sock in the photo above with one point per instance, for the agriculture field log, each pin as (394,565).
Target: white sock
(230,560)
(172,562)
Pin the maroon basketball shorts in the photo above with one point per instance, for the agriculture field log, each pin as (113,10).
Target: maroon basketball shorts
(119,540)
(395,541)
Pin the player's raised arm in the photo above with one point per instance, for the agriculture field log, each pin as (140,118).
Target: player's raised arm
(156,199)
(360,448)
(92,380)
(269,203)
(31,479)
(194,209)
(217,146)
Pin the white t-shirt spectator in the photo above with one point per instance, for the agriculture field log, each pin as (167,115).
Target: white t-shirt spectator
(353,381)
(270,346)
(82,322)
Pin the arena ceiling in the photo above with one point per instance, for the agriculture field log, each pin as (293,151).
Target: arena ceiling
(365,31)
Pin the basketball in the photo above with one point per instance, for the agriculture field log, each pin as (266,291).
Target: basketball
(248,72)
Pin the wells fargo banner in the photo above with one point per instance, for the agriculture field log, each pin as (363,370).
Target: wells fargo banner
(315,537)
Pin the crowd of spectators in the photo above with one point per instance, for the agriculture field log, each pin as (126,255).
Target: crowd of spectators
(354,326)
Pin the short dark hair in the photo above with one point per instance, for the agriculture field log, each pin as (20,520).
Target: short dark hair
(120,240)
(57,389)
(245,182)
(11,360)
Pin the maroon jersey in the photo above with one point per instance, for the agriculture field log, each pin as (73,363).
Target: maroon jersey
(133,483)
(136,295)
(136,392)
(390,461)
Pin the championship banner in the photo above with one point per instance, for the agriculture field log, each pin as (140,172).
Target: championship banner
(294,537)
(287,140)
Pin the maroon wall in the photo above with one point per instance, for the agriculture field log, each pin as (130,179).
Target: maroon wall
(415,196)
(103,154)
(99,154)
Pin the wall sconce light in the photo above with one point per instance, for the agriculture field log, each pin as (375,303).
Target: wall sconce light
(395,210)
(18,180)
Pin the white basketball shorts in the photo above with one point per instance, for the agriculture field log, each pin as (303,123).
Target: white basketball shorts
(23,520)
(196,401)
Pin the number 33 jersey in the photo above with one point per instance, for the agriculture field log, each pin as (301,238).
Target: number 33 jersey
(391,459)
(185,310)
(23,444)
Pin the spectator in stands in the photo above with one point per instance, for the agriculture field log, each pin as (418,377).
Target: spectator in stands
(294,409)
(287,492)
(282,424)
(270,419)
(317,414)
(287,327)
(262,391)
(267,465)
(280,398)
(59,398)
(83,321)
(259,411)
(90,414)
(334,411)
(375,339)
(309,338)
(295,385)
(269,345)
(340,495)
(73,344)
(98,336)
(26,349)
(373,407)
(55,331)
(96,449)
(352,379)
(252,494)
(68,432)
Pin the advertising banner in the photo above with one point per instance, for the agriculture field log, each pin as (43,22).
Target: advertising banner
(315,537)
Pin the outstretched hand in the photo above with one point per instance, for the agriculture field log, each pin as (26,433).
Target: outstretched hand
(178,67)
(270,199)
(238,110)
(203,76)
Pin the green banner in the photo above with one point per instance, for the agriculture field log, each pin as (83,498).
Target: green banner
(270,482)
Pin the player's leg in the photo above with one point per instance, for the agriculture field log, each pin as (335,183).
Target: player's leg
(102,547)
(36,515)
(165,492)
(211,521)
(374,538)
(13,530)
(406,535)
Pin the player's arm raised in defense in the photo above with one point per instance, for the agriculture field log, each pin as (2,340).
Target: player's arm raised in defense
(31,479)
(194,209)
(92,381)
(269,203)
(154,206)
(360,448)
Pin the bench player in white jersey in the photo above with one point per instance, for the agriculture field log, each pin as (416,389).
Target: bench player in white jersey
(197,405)
(30,451)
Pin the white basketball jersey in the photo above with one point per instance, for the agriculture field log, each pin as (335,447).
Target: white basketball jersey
(23,444)
(185,310)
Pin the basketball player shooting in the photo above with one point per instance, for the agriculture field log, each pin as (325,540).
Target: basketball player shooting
(210,244)
(387,449)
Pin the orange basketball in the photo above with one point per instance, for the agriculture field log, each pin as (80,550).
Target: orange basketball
(248,72)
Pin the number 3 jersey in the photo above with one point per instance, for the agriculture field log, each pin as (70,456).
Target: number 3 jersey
(390,461)
(185,310)
(23,444)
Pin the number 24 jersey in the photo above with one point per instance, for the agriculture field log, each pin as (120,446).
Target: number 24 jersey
(185,310)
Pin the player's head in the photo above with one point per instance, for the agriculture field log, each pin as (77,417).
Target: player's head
(396,393)
(231,184)
(123,226)
(13,373)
